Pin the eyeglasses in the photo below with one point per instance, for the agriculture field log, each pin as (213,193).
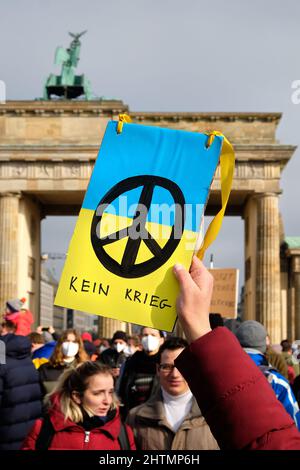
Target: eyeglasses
(167,368)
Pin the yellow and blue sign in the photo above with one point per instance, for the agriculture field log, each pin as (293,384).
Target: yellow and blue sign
(141,214)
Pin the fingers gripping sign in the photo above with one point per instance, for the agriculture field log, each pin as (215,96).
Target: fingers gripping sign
(194,299)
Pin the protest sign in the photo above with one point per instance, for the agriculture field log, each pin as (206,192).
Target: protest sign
(141,214)
(225,292)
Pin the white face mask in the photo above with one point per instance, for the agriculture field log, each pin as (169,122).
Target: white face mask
(69,348)
(102,348)
(119,347)
(129,350)
(150,343)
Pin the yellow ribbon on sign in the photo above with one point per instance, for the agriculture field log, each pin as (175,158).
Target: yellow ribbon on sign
(226,169)
(123,118)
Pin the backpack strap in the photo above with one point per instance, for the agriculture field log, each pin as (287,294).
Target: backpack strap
(123,438)
(46,434)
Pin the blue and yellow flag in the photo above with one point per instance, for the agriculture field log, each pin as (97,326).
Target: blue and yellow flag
(141,214)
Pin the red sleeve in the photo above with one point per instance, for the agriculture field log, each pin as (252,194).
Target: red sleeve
(235,398)
(30,439)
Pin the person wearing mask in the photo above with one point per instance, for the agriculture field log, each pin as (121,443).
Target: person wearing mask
(237,402)
(171,418)
(138,379)
(68,352)
(115,357)
(133,345)
(82,414)
(20,391)
(101,344)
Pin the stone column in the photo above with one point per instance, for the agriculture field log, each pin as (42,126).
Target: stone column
(107,327)
(9,216)
(296,284)
(268,302)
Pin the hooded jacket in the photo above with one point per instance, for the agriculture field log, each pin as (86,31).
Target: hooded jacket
(72,436)
(237,402)
(23,321)
(20,392)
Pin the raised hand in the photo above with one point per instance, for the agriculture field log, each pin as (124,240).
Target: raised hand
(193,302)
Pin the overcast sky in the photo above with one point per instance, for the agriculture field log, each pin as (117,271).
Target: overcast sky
(167,55)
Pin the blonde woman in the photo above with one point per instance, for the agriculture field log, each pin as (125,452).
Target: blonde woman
(69,352)
(83,414)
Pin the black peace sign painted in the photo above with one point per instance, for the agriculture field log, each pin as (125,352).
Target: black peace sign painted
(137,232)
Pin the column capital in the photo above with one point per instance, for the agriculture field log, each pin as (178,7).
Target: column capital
(16,194)
(266,194)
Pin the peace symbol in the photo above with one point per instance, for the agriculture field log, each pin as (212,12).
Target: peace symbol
(137,232)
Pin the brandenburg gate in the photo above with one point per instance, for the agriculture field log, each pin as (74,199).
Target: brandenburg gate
(47,153)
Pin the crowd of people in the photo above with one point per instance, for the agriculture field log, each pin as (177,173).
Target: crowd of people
(223,387)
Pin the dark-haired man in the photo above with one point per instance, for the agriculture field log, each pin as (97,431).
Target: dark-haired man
(171,418)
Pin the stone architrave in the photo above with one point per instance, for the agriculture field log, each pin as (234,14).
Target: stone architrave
(268,302)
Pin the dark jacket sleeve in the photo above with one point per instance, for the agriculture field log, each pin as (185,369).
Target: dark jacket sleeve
(55,336)
(1,390)
(125,381)
(130,437)
(235,398)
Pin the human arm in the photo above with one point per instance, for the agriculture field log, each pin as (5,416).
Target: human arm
(232,393)
(193,302)
(55,335)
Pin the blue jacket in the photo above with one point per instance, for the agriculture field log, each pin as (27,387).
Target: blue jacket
(279,384)
(45,351)
(20,392)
